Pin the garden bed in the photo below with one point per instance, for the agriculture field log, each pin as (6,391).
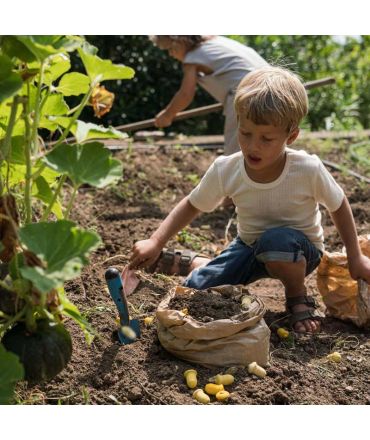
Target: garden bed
(143,372)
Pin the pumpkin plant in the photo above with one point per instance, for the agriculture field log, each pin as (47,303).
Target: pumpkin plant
(40,247)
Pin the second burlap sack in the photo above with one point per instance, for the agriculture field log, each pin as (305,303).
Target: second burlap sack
(239,340)
(344,297)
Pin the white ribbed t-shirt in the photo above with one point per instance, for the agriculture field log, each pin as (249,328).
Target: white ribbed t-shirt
(292,200)
(229,60)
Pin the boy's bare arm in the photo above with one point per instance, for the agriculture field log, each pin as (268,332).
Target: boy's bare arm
(358,264)
(181,215)
(182,99)
(146,252)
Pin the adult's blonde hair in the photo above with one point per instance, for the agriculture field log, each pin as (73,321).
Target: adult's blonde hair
(272,95)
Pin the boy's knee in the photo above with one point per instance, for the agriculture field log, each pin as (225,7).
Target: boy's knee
(279,244)
(195,280)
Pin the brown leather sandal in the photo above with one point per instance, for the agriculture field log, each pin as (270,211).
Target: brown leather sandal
(167,258)
(311,313)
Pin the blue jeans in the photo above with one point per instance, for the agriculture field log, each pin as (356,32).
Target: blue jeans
(243,264)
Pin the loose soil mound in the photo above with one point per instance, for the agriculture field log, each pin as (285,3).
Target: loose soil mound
(207,305)
(143,372)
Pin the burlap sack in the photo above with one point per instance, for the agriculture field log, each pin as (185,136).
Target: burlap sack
(344,297)
(239,340)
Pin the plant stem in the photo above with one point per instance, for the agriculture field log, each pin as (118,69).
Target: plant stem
(7,145)
(56,194)
(70,203)
(27,153)
(44,99)
(37,111)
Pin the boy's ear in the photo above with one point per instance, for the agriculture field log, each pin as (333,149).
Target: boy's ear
(292,136)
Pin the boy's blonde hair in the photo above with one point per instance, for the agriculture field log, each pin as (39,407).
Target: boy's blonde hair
(166,41)
(272,95)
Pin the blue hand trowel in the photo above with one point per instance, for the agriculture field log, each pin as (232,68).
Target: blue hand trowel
(115,287)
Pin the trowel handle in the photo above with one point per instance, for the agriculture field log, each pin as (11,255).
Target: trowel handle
(115,287)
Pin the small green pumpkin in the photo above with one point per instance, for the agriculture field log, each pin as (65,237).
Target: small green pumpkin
(43,353)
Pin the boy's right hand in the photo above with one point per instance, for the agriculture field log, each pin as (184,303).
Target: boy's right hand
(145,253)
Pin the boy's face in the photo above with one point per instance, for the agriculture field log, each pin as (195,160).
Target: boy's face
(263,146)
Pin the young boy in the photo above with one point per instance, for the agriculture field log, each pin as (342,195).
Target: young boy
(276,191)
(218,64)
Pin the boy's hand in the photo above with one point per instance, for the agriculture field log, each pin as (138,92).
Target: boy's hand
(145,253)
(163,119)
(359,268)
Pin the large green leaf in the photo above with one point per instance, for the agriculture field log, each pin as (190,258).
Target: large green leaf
(10,82)
(19,128)
(55,68)
(87,130)
(10,85)
(73,84)
(89,163)
(53,122)
(55,105)
(101,70)
(63,249)
(15,48)
(82,130)
(16,173)
(47,173)
(43,46)
(48,123)
(11,371)
(5,109)
(69,43)
(6,66)
(17,155)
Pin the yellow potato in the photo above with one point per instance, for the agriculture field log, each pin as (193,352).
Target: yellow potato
(282,333)
(213,388)
(255,369)
(200,396)
(128,332)
(191,378)
(222,395)
(148,321)
(334,357)
(224,379)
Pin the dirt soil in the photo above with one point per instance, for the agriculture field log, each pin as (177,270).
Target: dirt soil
(207,305)
(143,372)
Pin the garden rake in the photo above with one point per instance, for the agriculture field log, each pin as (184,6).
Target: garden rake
(115,287)
(200,111)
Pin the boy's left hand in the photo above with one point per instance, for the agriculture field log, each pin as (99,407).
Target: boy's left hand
(359,268)
(162,119)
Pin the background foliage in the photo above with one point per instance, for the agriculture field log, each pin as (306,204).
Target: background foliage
(344,105)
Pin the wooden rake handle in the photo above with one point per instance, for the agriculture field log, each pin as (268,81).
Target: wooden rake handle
(197,111)
(200,111)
